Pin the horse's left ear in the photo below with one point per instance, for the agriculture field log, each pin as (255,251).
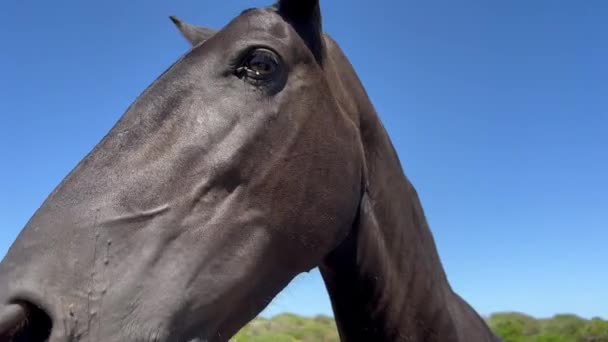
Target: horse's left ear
(300,9)
(193,34)
(305,17)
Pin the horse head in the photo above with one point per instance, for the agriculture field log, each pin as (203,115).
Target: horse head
(255,157)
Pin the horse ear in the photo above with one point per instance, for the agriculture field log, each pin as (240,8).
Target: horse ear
(193,34)
(300,9)
(305,17)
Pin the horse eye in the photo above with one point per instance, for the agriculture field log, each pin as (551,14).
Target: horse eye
(260,64)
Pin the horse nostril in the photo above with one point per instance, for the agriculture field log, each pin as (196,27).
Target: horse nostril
(27,321)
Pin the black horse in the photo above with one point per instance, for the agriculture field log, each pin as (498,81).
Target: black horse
(257,156)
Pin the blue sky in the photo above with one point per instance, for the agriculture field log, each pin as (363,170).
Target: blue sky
(498,110)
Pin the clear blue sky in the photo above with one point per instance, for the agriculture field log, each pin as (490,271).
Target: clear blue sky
(498,109)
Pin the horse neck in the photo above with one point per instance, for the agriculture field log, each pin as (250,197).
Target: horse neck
(386,281)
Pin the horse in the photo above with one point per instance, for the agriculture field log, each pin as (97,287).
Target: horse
(255,157)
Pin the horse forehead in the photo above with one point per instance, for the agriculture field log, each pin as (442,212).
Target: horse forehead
(261,19)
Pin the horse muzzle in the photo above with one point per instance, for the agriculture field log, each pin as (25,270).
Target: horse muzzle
(22,321)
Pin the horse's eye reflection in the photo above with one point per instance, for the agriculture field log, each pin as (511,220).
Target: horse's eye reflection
(259,65)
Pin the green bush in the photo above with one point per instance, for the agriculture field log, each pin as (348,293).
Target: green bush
(510,326)
(289,328)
